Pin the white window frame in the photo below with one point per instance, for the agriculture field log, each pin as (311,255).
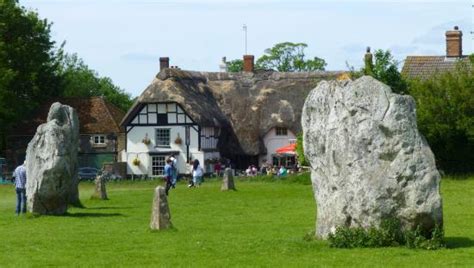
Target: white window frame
(99,140)
(160,143)
(157,165)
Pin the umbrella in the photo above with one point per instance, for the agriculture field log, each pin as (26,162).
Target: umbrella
(288,149)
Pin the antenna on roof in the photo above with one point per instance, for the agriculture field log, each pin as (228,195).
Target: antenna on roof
(244,27)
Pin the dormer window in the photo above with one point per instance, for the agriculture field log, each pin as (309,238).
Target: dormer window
(281,131)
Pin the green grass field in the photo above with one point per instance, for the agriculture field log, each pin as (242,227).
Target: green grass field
(262,224)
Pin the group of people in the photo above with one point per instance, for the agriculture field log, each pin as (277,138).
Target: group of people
(266,169)
(196,173)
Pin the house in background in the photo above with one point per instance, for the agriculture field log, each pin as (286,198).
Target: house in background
(101,137)
(207,116)
(424,67)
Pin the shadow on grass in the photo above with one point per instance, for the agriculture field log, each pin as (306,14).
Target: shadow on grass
(108,207)
(459,242)
(92,215)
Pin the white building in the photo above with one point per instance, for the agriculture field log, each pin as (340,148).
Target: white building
(240,117)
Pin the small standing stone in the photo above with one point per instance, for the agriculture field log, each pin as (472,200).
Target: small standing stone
(100,191)
(160,214)
(228,181)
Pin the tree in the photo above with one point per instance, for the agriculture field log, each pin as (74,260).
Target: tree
(445,115)
(27,63)
(385,70)
(289,57)
(235,66)
(78,80)
(300,151)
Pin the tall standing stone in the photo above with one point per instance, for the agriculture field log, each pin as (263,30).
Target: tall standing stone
(100,190)
(228,181)
(160,214)
(368,160)
(52,167)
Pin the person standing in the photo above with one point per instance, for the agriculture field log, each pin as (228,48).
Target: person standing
(197,173)
(168,172)
(20,187)
(174,176)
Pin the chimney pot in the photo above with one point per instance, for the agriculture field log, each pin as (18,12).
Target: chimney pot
(164,63)
(454,42)
(248,63)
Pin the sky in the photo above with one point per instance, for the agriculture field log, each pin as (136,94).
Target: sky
(123,39)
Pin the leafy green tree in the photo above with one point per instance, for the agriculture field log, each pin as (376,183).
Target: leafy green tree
(28,65)
(283,57)
(300,151)
(289,57)
(445,115)
(78,80)
(235,66)
(385,69)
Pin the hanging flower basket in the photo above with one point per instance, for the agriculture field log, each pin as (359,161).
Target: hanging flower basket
(136,161)
(178,140)
(146,140)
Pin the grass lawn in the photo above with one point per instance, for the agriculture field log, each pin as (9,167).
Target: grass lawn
(262,224)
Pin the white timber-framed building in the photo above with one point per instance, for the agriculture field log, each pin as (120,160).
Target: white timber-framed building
(242,117)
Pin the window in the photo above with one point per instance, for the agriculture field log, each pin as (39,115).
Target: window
(98,139)
(157,165)
(163,137)
(281,131)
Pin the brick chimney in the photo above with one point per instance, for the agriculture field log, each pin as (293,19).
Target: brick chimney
(248,63)
(164,63)
(454,43)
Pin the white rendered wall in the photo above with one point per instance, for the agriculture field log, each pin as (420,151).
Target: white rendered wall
(273,142)
(136,147)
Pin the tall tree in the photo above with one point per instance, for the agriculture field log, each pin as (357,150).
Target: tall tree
(28,62)
(78,80)
(289,57)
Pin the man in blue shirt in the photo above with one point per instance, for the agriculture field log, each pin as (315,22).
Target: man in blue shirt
(168,172)
(20,187)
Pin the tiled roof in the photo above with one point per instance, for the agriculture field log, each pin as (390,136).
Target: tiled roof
(95,116)
(424,67)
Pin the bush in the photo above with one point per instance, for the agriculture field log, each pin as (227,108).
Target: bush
(389,234)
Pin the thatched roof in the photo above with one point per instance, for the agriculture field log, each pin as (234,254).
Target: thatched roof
(245,105)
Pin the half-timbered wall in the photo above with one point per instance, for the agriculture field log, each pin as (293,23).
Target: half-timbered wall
(153,122)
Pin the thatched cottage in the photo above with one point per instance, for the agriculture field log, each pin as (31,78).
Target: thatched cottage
(242,116)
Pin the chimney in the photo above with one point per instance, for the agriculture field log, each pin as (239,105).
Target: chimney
(164,63)
(368,62)
(454,43)
(248,63)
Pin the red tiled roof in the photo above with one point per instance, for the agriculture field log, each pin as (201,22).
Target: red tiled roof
(95,116)
(424,67)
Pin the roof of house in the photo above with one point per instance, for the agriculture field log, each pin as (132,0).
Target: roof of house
(246,105)
(424,67)
(96,115)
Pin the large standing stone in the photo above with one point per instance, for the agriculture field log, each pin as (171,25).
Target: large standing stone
(100,190)
(228,181)
(52,167)
(160,214)
(368,160)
